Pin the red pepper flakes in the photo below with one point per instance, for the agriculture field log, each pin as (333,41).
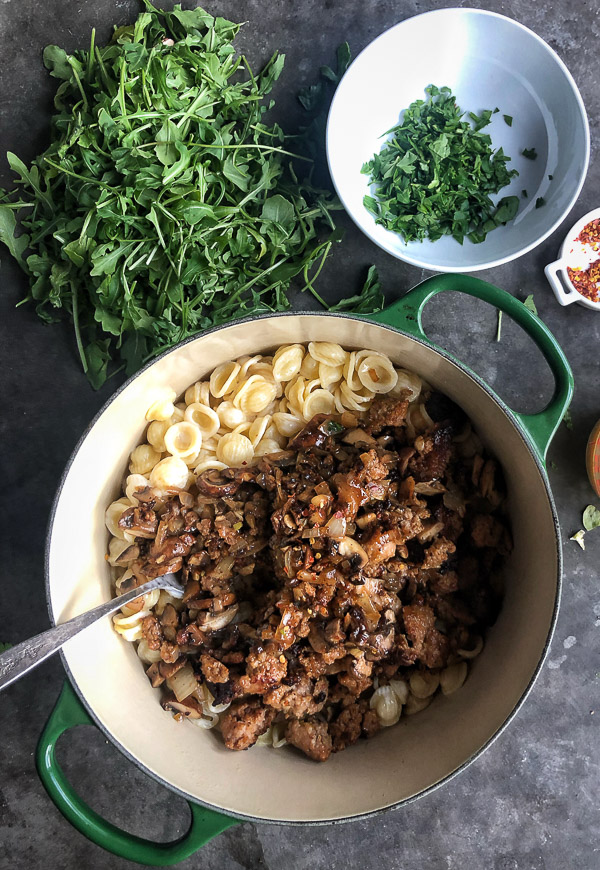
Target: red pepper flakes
(590,234)
(586,281)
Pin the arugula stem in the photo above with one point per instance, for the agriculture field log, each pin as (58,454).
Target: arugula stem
(75,312)
(79,85)
(90,64)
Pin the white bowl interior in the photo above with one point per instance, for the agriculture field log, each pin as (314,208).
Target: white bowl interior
(398,763)
(488,61)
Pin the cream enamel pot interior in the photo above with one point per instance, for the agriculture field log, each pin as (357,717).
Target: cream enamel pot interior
(400,763)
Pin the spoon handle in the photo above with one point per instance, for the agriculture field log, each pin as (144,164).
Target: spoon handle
(20,659)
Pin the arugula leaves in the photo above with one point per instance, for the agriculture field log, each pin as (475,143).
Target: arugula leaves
(165,203)
(435,174)
(369,299)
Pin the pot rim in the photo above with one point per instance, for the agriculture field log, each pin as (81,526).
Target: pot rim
(397,804)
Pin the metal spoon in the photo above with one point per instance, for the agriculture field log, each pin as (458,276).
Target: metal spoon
(20,659)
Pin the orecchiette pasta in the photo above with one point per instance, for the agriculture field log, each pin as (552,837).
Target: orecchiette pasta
(223,378)
(377,374)
(327,352)
(318,402)
(183,439)
(287,361)
(169,473)
(162,408)
(203,416)
(144,457)
(235,449)
(254,395)
(229,415)
(156,437)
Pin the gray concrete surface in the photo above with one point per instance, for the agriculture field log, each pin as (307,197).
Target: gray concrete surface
(531,801)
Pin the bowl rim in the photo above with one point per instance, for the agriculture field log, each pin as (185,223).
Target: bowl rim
(490,264)
(540,466)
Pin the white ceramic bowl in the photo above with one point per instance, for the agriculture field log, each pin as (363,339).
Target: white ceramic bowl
(488,61)
(576,255)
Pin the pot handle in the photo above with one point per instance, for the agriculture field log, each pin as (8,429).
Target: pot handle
(205,824)
(406,314)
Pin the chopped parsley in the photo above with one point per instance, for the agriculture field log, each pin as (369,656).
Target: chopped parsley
(508,120)
(529,153)
(540,201)
(436,172)
(530,304)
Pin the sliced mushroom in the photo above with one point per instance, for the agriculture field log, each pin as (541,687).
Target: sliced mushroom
(351,549)
(213,622)
(190,708)
(365,520)
(431,487)
(359,436)
(430,531)
(213,483)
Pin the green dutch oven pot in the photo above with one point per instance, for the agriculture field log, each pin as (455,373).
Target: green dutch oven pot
(109,689)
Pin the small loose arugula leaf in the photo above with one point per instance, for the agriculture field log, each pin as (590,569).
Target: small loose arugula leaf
(508,120)
(530,304)
(436,173)
(540,201)
(591,518)
(578,537)
(369,300)
(529,153)
(165,204)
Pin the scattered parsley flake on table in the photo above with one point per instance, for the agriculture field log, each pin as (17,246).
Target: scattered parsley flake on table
(165,204)
(530,304)
(435,174)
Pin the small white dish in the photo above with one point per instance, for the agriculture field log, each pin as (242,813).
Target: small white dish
(488,61)
(574,254)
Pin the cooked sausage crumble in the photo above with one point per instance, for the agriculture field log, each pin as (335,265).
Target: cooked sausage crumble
(328,585)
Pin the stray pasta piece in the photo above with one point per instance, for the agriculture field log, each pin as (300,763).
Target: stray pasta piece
(452,677)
